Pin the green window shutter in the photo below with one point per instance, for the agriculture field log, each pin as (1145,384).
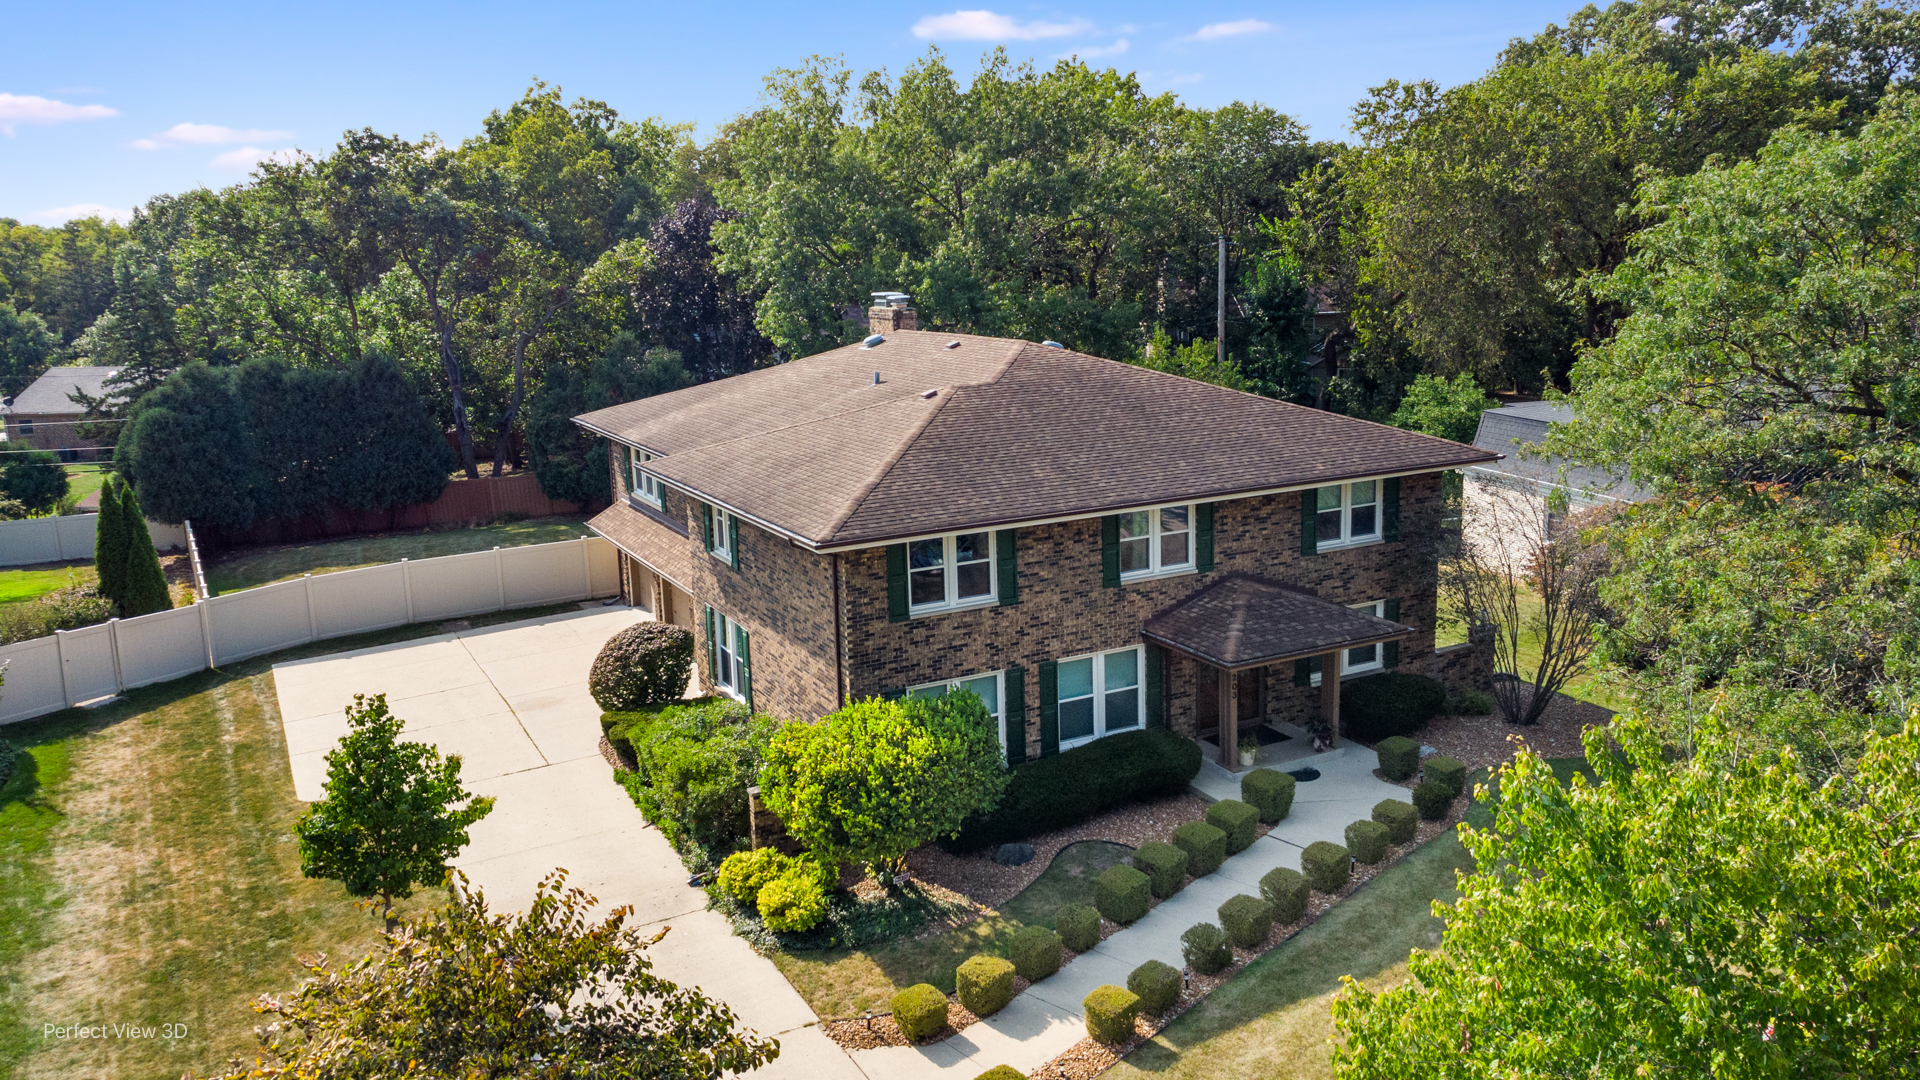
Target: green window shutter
(733,540)
(1390,651)
(1015,708)
(1203,537)
(897,583)
(1110,551)
(896,694)
(1303,672)
(1309,522)
(713,659)
(1390,509)
(1156,686)
(746,666)
(626,474)
(706,525)
(1008,564)
(1049,708)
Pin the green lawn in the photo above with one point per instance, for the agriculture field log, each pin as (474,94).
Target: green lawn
(84,480)
(20,584)
(148,874)
(245,568)
(1584,686)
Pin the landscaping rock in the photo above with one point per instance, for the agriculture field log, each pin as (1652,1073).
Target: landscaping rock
(1079,927)
(1164,865)
(1035,951)
(984,984)
(1270,792)
(1327,866)
(1157,985)
(1110,1012)
(1018,854)
(920,1010)
(1122,894)
(1205,845)
(1237,820)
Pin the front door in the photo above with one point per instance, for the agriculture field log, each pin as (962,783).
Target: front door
(1206,694)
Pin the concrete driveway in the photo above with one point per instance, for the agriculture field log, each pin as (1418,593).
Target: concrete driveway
(512,701)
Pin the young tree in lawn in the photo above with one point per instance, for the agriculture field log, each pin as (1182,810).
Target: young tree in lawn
(1715,915)
(393,812)
(143,582)
(878,779)
(469,993)
(110,542)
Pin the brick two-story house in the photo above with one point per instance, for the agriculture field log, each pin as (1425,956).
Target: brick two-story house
(1093,547)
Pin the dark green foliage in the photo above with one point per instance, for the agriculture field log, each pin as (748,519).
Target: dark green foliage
(1237,820)
(1157,985)
(1206,948)
(9,759)
(1449,410)
(1122,894)
(1401,819)
(34,480)
(1326,865)
(1065,789)
(1079,927)
(693,764)
(569,461)
(1269,791)
(1399,757)
(1368,841)
(1110,1013)
(1287,891)
(1002,1072)
(1035,951)
(110,542)
(145,583)
(25,348)
(1433,799)
(646,664)
(1205,845)
(1469,703)
(1164,865)
(1390,703)
(1247,919)
(920,1010)
(984,984)
(1448,771)
(63,609)
(385,450)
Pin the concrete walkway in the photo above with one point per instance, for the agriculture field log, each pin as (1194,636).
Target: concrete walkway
(512,701)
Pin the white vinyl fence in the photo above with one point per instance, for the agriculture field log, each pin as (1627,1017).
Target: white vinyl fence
(57,539)
(74,666)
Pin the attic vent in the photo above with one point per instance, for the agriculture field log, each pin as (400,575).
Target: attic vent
(1053,345)
(929,394)
(953,344)
(872,341)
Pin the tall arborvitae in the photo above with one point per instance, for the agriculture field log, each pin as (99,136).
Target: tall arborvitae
(146,584)
(110,543)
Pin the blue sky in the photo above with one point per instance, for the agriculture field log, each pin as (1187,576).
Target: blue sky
(105,105)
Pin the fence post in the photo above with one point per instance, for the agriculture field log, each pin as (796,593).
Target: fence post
(586,567)
(406,583)
(306,590)
(206,629)
(60,654)
(500,578)
(113,641)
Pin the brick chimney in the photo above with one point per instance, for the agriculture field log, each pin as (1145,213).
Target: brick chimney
(891,311)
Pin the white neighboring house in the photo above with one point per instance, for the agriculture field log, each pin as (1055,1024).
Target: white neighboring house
(1506,502)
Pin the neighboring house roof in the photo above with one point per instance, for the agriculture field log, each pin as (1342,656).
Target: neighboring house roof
(1506,429)
(48,396)
(973,432)
(1245,621)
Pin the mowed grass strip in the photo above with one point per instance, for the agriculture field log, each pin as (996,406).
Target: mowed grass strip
(247,567)
(21,584)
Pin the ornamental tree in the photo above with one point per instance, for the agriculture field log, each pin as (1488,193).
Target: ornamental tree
(110,542)
(392,816)
(878,779)
(1714,915)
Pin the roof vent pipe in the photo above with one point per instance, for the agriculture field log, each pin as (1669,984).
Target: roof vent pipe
(876,378)
(1053,345)
(872,340)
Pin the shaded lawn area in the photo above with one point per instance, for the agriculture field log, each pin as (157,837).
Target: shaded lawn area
(244,568)
(84,480)
(149,874)
(20,584)
(840,982)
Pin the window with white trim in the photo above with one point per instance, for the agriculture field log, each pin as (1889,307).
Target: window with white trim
(728,663)
(1100,694)
(1156,541)
(950,571)
(642,484)
(724,526)
(1365,657)
(1348,514)
(990,687)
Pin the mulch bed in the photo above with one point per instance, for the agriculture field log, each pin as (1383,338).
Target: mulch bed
(1487,741)
(861,1033)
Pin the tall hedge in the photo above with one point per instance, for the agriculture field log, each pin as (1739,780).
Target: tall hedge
(1068,788)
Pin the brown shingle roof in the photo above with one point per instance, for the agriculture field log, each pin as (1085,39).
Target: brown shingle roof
(1015,432)
(1245,621)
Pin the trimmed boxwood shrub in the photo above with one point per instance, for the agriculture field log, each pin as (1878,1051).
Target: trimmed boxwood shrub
(1247,919)
(1205,845)
(984,984)
(1002,1072)
(1287,891)
(1236,819)
(1066,789)
(1110,1012)
(920,1010)
(1399,757)
(1390,703)
(646,664)
(1401,819)
(1450,771)
(1122,894)
(1367,841)
(1079,927)
(1035,951)
(1269,791)
(1164,865)
(1326,866)
(1157,985)
(1433,799)
(1205,948)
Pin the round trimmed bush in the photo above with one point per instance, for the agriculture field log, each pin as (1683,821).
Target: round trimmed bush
(1449,771)
(1287,891)
(1247,919)
(1164,865)
(1367,841)
(920,1010)
(1390,703)
(1035,951)
(1078,926)
(1326,865)
(795,900)
(1399,757)
(984,984)
(1205,948)
(1269,791)
(1002,1072)
(1401,819)
(1237,820)
(745,873)
(646,664)
(1157,985)
(1205,845)
(1110,1012)
(1433,799)
(1122,894)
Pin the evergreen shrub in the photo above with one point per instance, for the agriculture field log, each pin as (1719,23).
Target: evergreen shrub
(1433,799)
(1205,845)
(1368,841)
(646,664)
(1164,865)
(1401,819)
(1079,927)
(1287,891)
(1122,894)
(1450,771)
(920,1010)
(1206,948)
(1247,919)
(1066,789)
(1399,757)
(1390,703)
(984,984)
(1237,820)
(1035,951)
(1110,1013)
(1157,985)
(1326,865)
(1270,791)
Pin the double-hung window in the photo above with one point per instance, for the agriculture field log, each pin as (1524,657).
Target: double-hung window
(950,571)
(1348,514)
(729,656)
(641,484)
(1156,541)
(1364,657)
(722,533)
(989,687)
(1100,695)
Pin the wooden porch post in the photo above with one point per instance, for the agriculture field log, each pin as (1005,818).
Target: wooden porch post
(1330,694)
(1229,719)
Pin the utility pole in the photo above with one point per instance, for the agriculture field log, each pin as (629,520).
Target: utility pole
(1220,325)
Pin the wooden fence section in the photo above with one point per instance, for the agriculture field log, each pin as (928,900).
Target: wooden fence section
(464,502)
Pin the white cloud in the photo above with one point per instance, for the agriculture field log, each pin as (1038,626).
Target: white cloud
(991,26)
(207,135)
(1216,31)
(1155,78)
(245,158)
(1095,51)
(17,109)
(61,214)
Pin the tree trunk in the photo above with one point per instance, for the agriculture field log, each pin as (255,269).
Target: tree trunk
(505,437)
(461,431)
